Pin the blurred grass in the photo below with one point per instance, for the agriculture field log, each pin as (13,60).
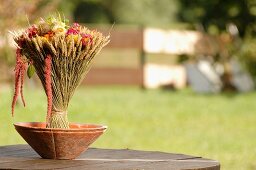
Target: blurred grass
(220,127)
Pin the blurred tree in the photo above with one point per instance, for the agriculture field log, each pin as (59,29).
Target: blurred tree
(15,14)
(214,15)
(143,12)
(67,7)
(93,12)
(248,55)
(146,12)
(233,18)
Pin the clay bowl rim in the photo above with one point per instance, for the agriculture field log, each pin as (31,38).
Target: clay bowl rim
(97,128)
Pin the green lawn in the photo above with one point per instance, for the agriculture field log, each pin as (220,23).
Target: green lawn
(221,127)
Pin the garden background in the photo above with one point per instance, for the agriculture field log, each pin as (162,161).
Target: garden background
(218,126)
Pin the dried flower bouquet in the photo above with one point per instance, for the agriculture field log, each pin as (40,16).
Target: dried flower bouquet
(61,56)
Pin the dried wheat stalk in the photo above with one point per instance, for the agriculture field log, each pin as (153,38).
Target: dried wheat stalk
(61,61)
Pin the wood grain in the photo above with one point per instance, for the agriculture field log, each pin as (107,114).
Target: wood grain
(23,157)
(118,76)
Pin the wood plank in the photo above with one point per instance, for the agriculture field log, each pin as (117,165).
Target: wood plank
(13,148)
(132,154)
(43,164)
(102,164)
(119,76)
(22,153)
(14,159)
(121,38)
(17,151)
(100,159)
(93,153)
(152,165)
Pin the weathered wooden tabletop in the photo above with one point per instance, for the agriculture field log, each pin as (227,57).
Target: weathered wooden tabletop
(23,157)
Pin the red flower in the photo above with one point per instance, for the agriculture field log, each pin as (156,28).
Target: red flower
(75,29)
(76,25)
(32,32)
(86,39)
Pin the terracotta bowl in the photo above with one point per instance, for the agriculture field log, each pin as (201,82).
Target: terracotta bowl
(59,143)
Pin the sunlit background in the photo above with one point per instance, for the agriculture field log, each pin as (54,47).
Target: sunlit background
(178,76)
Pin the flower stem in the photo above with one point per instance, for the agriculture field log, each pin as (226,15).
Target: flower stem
(58,120)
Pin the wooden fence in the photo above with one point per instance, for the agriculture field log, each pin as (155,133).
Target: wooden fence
(121,38)
(149,40)
(145,40)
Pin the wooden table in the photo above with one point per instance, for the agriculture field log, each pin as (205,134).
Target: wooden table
(23,157)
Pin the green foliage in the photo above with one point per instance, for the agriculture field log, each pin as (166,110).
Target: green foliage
(248,55)
(30,71)
(154,120)
(143,12)
(93,12)
(15,14)
(214,15)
